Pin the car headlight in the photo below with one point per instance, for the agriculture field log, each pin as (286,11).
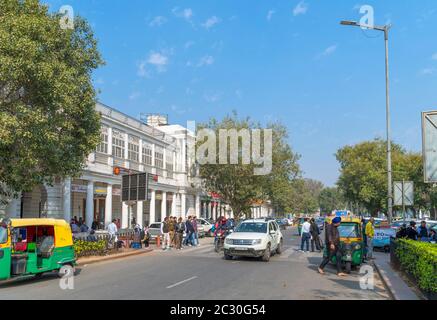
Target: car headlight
(257,241)
(229,241)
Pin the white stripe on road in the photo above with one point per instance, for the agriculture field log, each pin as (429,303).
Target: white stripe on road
(181,282)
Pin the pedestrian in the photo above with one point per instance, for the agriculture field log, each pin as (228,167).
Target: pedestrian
(74,227)
(84,228)
(146,238)
(315,232)
(411,231)
(306,235)
(94,225)
(165,231)
(195,232)
(402,233)
(189,232)
(333,244)
(171,227)
(179,233)
(433,236)
(422,231)
(370,234)
(118,223)
(112,230)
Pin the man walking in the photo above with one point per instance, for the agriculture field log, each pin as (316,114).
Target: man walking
(315,239)
(165,231)
(333,245)
(179,233)
(172,223)
(306,235)
(195,233)
(112,230)
(370,234)
(189,232)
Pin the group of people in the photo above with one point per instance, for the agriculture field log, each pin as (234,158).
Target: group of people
(173,229)
(421,233)
(310,233)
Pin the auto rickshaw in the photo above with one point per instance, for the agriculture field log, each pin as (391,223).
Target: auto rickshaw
(351,242)
(35,246)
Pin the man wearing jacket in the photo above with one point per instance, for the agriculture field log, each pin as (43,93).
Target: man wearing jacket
(333,246)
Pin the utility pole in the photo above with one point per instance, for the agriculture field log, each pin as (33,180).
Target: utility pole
(384,29)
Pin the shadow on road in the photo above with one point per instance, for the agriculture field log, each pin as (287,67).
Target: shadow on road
(14,283)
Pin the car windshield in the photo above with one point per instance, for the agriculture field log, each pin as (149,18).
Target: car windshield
(257,227)
(348,231)
(3,235)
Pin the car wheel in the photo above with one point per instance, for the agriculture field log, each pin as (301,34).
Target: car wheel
(267,254)
(280,248)
(348,267)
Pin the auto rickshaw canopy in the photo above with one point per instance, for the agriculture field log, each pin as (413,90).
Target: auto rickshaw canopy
(63,235)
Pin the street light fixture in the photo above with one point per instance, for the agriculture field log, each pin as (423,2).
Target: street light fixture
(384,29)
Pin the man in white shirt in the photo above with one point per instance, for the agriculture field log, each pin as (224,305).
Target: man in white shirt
(112,230)
(306,235)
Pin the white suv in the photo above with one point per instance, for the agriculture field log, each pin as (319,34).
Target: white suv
(254,238)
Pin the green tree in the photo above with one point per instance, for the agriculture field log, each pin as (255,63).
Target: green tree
(331,199)
(237,183)
(47,100)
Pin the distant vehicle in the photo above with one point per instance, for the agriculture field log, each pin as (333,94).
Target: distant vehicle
(207,225)
(320,223)
(155,230)
(254,238)
(281,223)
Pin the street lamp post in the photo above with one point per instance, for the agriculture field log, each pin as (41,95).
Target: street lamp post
(384,29)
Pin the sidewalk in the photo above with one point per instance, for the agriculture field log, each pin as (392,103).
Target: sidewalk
(392,280)
(126,253)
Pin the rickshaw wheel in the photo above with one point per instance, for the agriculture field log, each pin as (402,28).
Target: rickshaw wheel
(348,267)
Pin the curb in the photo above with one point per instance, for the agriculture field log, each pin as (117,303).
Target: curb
(385,281)
(112,257)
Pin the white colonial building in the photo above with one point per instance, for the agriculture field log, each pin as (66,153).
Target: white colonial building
(155,147)
(96,196)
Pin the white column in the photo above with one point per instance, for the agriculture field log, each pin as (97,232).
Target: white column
(109,141)
(152,207)
(66,196)
(183,205)
(108,205)
(140,215)
(164,205)
(124,215)
(89,214)
(210,211)
(173,205)
(214,212)
(197,206)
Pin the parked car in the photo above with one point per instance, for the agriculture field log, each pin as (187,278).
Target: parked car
(207,225)
(281,223)
(254,238)
(155,230)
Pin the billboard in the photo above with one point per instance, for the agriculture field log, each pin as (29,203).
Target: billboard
(429,146)
(403,193)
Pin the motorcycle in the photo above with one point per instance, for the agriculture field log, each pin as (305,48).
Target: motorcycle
(220,239)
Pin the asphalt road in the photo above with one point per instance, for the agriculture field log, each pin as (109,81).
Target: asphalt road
(200,273)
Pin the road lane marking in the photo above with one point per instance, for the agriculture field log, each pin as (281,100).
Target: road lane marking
(181,282)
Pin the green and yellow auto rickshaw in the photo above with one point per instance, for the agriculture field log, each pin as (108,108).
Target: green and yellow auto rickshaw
(351,243)
(35,246)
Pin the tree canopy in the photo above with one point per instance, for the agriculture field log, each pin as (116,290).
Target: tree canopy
(47,100)
(236,183)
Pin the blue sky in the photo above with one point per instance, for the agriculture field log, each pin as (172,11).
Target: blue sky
(272,60)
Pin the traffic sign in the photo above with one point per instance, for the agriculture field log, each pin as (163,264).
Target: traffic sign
(135,187)
(404,193)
